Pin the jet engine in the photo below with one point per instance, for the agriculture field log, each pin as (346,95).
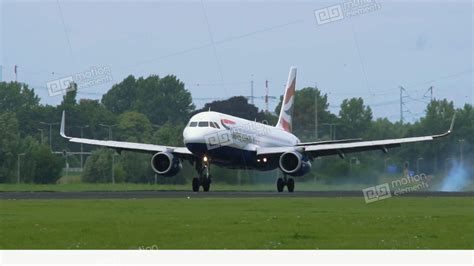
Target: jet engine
(294,163)
(165,164)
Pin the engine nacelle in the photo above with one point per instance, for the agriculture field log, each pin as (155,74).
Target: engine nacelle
(165,164)
(294,163)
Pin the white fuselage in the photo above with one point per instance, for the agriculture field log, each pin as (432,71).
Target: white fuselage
(232,136)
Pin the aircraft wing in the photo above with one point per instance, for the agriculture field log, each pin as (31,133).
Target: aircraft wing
(122,145)
(328,142)
(322,149)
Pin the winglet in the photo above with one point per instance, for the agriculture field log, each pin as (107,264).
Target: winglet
(450,130)
(63,125)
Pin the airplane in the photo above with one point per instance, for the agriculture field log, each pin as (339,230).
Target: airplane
(213,138)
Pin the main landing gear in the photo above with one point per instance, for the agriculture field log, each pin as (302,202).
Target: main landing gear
(288,182)
(204,178)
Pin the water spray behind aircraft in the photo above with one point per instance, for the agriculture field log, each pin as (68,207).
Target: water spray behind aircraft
(457,178)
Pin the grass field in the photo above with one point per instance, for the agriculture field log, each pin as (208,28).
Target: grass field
(72,183)
(226,223)
(300,186)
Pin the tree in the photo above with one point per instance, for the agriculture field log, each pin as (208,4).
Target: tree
(28,163)
(98,167)
(69,99)
(92,113)
(39,165)
(161,100)
(355,118)
(15,97)
(19,99)
(305,110)
(48,165)
(9,140)
(121,97)
(169,134)
(382,128)
(235,106)
(136,167)
(439,114)
(134,125)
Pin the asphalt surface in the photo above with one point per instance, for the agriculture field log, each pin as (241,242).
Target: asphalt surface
(215,194)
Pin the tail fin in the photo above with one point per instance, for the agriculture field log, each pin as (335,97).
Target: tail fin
(286,112)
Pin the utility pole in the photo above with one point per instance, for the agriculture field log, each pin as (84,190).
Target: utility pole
(65,153)
(266,96)
(332,133)
(418,164)
(251,90)
(430,90)
(113,168)
(350,162)
(82,146)
(446,164)
(50,135)
(385,163)
(431,93)
(401,104)
(15,70)
(461,146)
(113,155)
(41,140)
(315,111)
(18,175)
(109,128)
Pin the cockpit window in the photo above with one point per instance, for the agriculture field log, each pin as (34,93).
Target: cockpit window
(203,124)
(217,125)
(212,124)
(193,124)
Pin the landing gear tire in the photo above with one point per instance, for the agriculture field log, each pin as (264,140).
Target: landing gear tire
(290,184)
(196,184)
(206,184)
(204,178)
(280,184)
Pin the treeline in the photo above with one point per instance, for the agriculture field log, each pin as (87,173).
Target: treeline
(155,110)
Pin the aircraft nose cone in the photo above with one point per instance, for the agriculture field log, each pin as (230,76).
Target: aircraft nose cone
(191,136)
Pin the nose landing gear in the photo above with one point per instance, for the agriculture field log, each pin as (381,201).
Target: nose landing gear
(204,179)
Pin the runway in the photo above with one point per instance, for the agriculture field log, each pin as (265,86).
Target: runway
(217,194)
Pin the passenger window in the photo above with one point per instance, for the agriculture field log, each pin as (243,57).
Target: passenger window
(203,124)
(193,124)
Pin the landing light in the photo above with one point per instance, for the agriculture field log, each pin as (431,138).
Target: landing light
(258,160)
(205,159)
(264,160)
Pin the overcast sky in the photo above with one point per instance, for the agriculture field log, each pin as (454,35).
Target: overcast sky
(215,47)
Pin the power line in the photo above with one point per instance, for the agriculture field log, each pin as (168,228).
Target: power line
(211,37)
(361,61)
(402,104)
